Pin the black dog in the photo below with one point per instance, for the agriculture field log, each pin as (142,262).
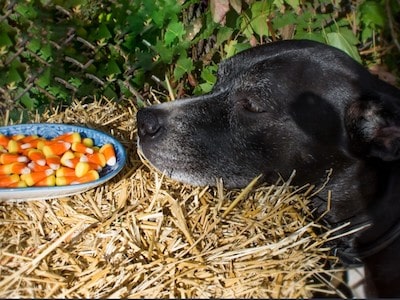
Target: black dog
(295,105)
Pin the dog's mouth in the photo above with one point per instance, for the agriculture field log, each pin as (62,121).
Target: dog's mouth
(170,166)
(187,170)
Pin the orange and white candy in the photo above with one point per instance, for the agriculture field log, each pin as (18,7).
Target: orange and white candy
(8,179)
(81,148)
(66,159)
(15,168)
(35,177)
(56,148)
(36,155)
(109,153)
(7,158)
(69,137)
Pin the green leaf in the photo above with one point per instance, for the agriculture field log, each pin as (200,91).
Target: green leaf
(145,60)
(204,88)
(104,17)
(46,52)
(165,53)
(28,102)
(349,35)
(208,74)
(230,48)
(110,68)
(372,14)
(44,80)
(102,32)
(260,12)
(109,93)
(157,15)
(13,76)
(183,66)
(26,11)
(309,35)
(223,34)
(366,34)
(241,47)
(293,3)
(286,19)
(58,92)
(340,41)
(174,31)
(138,78)
(311,21)
(34,45)
(5,40)
(162,10)
(76,82)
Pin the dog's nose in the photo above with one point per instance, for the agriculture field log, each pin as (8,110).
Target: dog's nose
(147,123)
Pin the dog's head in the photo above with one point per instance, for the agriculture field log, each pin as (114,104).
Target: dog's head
(278,107)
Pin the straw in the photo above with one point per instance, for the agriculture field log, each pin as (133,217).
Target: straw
(144,235)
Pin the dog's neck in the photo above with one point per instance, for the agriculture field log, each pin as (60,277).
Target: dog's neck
(383,211)
(372,208)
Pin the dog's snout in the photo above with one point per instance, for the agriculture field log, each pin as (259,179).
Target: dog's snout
(148,123)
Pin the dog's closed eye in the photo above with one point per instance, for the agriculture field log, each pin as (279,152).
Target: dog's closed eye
(251,106)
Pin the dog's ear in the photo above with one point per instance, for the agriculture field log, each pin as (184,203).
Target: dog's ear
(373,125)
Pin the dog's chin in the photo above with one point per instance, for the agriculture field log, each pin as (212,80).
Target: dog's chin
(174,170)
(188,178)
(186,173)
(197,179)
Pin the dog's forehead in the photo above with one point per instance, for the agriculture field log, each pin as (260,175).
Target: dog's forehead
(296,56)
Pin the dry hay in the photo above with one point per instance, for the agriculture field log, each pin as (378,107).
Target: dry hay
(142,235)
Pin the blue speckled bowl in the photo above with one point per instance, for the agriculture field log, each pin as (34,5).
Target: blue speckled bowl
(49,130)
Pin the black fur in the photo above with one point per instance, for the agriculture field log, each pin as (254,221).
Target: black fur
(295,105)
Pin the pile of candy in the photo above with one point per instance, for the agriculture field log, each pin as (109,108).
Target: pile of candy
(66,159)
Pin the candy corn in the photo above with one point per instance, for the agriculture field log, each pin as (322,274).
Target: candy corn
(37,156)
(29,138)
(17,137)
(35,177)
(89,176)
(65,172)
(14,168)
(56,148)
(70,137)
(65,180)
(96,158)
(109,154)
(81,168)
(88,142)
(7,158)
(13,146)
(18,184)
(47,181)
(69,159)
(53,161)
(6,180)
(36,168)
(41,144)
(79,147)
(31,160)
(32,143)
(4,140)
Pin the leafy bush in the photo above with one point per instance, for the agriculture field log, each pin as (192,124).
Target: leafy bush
(54,51)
